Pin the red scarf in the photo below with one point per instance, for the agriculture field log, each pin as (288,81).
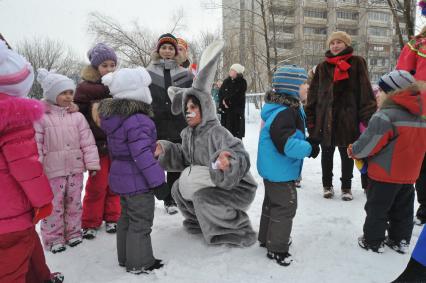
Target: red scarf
(342,66)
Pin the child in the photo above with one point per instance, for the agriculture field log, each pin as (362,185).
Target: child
(282,147)
(25,192)
(395,143)
(66,148)
(165,71)
(135,174)
(99,202)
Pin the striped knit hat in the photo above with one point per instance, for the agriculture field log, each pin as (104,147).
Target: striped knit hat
(288,78)
(395,80)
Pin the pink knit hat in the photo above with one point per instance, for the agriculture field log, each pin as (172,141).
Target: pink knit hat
(16,74)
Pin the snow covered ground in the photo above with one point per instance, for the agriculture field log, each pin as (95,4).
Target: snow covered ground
(324,245)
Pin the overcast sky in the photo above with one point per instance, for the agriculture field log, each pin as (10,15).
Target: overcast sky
(67,20)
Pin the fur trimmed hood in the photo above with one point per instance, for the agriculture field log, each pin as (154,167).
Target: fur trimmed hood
(156,59)
(123,108)
(19,111)
(89,73)
(287,100)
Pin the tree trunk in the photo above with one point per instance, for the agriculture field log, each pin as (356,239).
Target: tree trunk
(265,35)
(396,20)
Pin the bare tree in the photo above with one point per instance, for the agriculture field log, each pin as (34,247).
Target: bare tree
(51,55)
(178,21)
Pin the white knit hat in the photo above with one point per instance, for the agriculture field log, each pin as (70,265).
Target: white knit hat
(129,84)
(237,68)
(16,74)
(53,84)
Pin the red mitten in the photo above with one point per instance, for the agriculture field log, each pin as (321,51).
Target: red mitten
(42,212)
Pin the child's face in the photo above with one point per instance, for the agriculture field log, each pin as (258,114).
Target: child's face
(65,98)
(106,67)
(303,91)
(167,51)
(233,74)
(337,46)
(193,114)
(181,50)
(381,98)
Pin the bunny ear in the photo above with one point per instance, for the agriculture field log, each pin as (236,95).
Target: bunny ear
(207,67)
(176,96)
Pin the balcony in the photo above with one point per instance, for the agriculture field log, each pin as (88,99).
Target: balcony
(317,4)
(379,39)
(315,21)
(285,36)
(347,22)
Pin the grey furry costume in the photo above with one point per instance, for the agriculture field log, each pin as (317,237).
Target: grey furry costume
(218,212)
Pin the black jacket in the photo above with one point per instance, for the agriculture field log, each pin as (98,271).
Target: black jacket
(233,92)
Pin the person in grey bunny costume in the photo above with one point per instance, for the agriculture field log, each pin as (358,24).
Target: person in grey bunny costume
(215,188)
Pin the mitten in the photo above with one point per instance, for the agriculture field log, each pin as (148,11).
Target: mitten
(315,147)
(361,165)
(42,212)
(162,191)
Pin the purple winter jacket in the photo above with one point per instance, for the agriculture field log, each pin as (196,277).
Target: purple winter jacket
(131,139)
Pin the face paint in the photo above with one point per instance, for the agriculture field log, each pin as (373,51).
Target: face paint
(190,114)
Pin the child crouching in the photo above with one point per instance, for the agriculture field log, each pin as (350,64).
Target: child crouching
(135,174)
(395,144)
(282,148)
(66,148)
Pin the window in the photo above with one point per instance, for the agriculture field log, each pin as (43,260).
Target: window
(378,31)
(285,45)
(348,1)
(314,30)
(379,48)
(350,31)
(379,16)
(317,46)
(347,15)
(315,14)
(281,28)
(379,62)
(282,11)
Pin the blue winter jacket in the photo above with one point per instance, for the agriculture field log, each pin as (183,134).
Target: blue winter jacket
(282,145)
(419,253)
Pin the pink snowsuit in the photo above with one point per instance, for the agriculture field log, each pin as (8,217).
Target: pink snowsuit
(66,148)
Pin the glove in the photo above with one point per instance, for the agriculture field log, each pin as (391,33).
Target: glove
(162,191)
(42,212)
(361,165)
(315,147)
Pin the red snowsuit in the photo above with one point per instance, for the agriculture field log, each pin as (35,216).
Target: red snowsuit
(23,188)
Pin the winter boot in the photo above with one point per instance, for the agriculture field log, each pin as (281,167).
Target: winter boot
(328,192)
(75,241)
(347,195)
(89,233)
(55,277)
(263,245)
(111,227)
(157,265)
(171,207)
(297,184)
(401,247)
(420,218)
(379,248)
(57,248)
(283,259)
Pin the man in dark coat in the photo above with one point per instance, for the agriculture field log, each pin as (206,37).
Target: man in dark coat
(232,100)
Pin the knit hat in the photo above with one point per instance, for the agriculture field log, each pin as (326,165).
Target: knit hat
(100,53)
(288,78)
(340,35)
(395,80)
(16,74)
(129,84)
(182,42)
(53,84)
(167,38)
(237,68)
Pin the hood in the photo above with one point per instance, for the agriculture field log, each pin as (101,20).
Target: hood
(274,101)
(90,74)
(157,60)
(413,99)
(19,111)
(123,108)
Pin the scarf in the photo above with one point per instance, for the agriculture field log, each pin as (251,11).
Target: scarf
(341,64)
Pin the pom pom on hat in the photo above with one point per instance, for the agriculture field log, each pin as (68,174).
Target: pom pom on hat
(53,84)
(16,74)
(129,84)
